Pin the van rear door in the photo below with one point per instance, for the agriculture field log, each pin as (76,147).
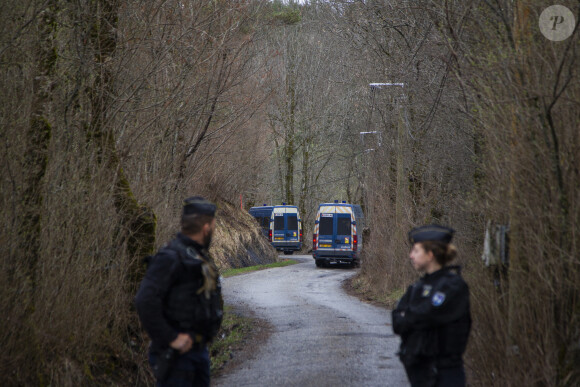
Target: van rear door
(286,226)
(326,232)
(291,227)
(279,226)
(343,238)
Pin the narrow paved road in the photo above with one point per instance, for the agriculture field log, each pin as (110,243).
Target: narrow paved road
(321,336)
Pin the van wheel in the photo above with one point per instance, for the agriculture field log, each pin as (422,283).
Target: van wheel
(319,263)
(288,252)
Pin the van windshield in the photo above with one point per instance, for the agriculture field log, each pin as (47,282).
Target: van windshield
(325,227)
(292,222)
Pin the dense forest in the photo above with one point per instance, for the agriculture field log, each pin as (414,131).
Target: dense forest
(456,112)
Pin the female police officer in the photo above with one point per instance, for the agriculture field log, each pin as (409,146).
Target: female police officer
(433,317)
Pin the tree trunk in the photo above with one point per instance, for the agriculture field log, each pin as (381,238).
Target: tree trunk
(138,220)
(400,175)
(38,140)
(289,150)
(305,179)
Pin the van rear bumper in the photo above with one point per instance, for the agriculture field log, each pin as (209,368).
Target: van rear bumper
(327,259)
(287,246)
(319,254)
(337,261)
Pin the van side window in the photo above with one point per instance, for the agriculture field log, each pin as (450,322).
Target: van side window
(325,226)
(343,226)
(278,222)
(292,222)
(266,223)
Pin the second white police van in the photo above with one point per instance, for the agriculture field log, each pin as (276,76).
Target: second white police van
(281,225)
(337,236)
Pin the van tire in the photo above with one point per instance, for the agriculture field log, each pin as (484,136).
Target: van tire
(319,263)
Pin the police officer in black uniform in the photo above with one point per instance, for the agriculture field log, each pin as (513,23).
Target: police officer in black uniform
(179,301)
(433,316)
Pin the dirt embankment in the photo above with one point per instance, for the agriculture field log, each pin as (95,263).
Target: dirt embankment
(238,241)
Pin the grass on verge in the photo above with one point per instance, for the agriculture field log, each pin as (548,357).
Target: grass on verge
(365,292)
(242,270)
(231,335)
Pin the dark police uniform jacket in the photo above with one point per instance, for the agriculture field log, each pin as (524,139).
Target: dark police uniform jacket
(171,298)
(433,319)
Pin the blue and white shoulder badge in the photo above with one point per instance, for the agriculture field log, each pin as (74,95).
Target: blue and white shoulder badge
(438,299)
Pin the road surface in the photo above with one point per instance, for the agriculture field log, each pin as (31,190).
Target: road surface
(321,336)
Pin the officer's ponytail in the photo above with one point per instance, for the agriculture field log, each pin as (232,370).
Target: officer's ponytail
(443,252)
(451,252)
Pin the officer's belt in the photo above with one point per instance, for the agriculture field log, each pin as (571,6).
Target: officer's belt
(199,341)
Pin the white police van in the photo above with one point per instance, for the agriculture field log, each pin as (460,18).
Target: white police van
(337,236)
(281,225)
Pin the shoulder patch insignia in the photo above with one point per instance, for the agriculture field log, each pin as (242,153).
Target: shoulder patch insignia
(438,299)
(426,290)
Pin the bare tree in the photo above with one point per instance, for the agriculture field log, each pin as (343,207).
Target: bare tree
(112,114)
(489,137)
(522,89)
(311,117)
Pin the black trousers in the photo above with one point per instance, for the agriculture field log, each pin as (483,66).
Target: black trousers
(451,377)
(191,369)
(427,375)
(422,374)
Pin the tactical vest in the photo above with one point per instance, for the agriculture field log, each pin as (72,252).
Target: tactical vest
(187,306)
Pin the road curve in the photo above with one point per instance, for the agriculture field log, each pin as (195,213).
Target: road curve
(321,336)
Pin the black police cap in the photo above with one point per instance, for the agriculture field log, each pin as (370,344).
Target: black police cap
(198,205)
(431,232)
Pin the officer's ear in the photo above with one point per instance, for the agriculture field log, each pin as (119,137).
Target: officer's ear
(430,255)
(207,228)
